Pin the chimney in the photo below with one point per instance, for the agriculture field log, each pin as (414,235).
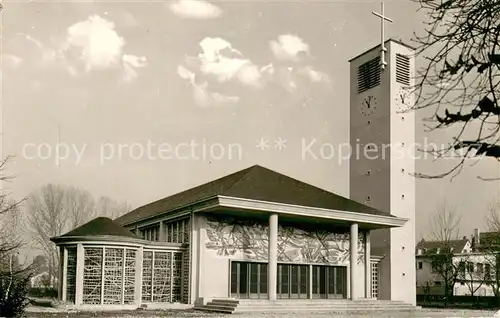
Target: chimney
(476,237)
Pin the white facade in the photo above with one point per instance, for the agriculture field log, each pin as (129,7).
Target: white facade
(382,137)
(470,279)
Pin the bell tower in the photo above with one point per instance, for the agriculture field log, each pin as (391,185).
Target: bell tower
(382,137)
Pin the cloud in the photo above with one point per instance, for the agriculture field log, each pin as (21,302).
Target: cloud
(221,64)
(195,9)
(205,98)
(11,60)
(130,63)
(201,95)
(288,47)
(99,45)
(95,43)
(313,75)
(220,60)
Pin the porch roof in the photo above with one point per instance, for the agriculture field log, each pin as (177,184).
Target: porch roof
(255,184)
(100,227)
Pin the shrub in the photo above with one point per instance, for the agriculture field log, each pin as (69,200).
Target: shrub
(42,292)
(13,294)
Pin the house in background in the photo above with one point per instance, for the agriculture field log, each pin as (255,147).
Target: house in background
(473,266)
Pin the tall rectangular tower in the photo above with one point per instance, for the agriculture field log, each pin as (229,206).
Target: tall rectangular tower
(382,137)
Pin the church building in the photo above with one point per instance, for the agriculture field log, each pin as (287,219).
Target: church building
(257,234)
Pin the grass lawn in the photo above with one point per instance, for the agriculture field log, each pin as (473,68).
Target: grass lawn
(192,313)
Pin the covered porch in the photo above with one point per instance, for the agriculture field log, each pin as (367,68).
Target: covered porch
(269,277)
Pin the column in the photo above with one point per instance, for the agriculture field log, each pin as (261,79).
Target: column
(368,266)
(354,260)
(272,268)
(80,261)
(310,287)
(161,235)
(64,261)
(138,276)
(60,279)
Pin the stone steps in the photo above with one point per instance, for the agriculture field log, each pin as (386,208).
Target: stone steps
(312,305)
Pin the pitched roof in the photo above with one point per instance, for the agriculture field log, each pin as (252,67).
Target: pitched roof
(489,240)
(432,246)
(256,183)
(101,226)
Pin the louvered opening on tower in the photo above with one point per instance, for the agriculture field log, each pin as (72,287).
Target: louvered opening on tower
(402,69)
(369,75)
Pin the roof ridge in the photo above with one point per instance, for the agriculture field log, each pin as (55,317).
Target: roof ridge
(241,177)
(243,172)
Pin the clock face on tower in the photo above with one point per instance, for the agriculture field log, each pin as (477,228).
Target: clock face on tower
(368,105)
(402,100)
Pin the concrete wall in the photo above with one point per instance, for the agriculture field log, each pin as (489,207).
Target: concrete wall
(213,264)
(383,173)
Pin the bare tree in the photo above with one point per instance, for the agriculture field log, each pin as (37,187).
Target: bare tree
(490,245)
(10,242)
(460,79)
(47,218)
(106,206)
(55,209)
(79,205)
(444,229)
(445,223)
(473,277)
(10,216)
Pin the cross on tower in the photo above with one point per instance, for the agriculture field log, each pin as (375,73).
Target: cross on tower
(383,18)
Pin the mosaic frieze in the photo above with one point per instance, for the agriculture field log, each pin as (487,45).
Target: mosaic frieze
(249,241)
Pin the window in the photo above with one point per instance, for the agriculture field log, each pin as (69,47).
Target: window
(177,231)
(434,268)
(419,265)
(487,271)
(470,267)
(402,69)
(151,233)
(369,75)
(461,268)
(479,268)
(437,283)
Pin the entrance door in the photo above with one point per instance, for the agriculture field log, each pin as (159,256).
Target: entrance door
(248,280)
(329,282)
(292,281)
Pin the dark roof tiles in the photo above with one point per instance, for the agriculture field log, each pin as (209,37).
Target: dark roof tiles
(101,226)
(255,183)
(432,246)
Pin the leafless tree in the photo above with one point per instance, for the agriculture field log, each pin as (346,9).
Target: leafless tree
(56,209)
(493,216)
(108,207)
(10,216)
(460,78)
(10,242)
(473,277)
(79,205)
(444,228)
(47,218)
(490,245)
(444,224)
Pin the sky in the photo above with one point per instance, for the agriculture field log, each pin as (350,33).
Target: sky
(240,82)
